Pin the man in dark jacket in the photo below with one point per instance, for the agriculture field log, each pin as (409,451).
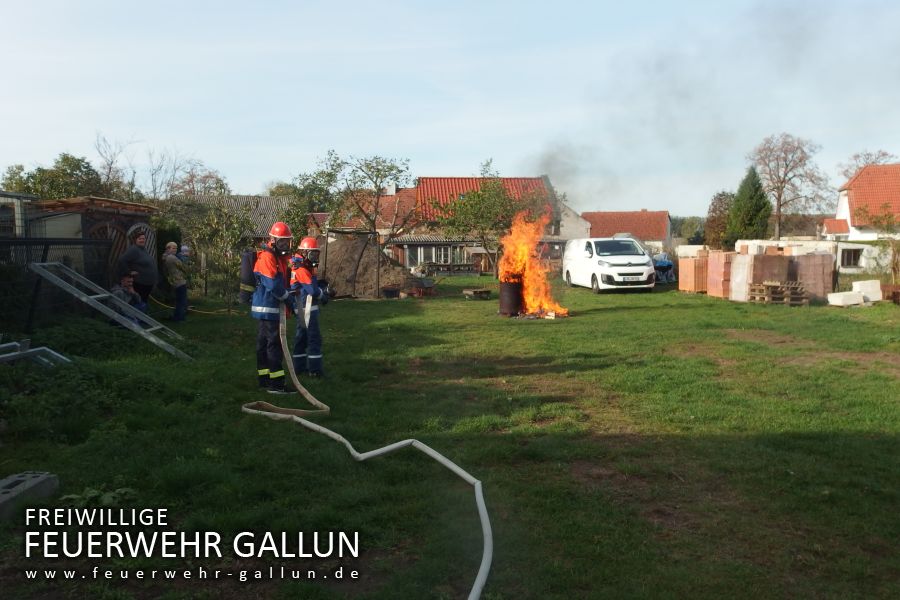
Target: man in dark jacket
(137,260)
(270,299)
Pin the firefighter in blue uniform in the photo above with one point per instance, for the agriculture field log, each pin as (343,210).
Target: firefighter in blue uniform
(270,301)
(308,340)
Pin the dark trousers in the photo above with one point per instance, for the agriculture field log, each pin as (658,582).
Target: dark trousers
(180,303)
(308,345)
(268,356)
(143,290)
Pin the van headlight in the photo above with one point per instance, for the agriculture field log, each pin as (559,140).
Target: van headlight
(603,263)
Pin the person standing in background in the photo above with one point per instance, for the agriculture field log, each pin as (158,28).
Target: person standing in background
(137,260)
(177,278)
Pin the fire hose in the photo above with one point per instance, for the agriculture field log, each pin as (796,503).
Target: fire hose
(296,415)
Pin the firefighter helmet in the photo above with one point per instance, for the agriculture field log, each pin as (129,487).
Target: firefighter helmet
(309,249)
(280,229)
(309,243)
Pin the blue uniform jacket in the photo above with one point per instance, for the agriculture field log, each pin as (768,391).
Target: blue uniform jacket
(271,288)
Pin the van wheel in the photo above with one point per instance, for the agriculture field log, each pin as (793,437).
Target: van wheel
(568,279)
(595,285)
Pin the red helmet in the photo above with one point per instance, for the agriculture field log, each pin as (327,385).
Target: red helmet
(309,243)
(280,229)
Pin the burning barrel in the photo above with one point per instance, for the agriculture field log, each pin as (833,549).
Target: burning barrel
(511,297)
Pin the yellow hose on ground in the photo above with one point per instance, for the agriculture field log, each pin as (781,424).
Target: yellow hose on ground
(296,415)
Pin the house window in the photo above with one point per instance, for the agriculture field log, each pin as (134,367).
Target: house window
(459,254)
(427,254)
(412,256)
(850,257)
(442,254)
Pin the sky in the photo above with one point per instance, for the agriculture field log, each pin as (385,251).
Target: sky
(624,105)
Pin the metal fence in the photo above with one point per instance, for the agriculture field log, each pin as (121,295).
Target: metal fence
(26,300)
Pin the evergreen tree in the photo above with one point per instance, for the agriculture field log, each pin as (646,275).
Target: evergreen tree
(750,211)
(717,219)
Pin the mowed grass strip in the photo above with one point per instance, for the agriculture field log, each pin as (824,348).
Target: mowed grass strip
(650,445)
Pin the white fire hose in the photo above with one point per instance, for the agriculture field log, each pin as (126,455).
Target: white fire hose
(295,414)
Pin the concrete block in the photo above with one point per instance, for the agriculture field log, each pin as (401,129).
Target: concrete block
(24,488)
(871,289)
(846,298)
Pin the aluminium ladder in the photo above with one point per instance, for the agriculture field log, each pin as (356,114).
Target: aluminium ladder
(102,300)
(44,356)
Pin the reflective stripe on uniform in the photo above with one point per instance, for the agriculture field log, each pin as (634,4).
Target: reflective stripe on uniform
(315,356)
(299,355)
(276,374)
(314,307)
(264,309)
(262,372)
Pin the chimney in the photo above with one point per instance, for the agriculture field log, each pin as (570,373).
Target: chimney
(390,189)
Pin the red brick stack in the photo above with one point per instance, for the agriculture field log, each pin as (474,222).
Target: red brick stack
(718,280)
(692,274)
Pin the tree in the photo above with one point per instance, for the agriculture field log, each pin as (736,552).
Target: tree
(886,221)
(689,228)
(223,233)
(164,169)
(281,188)
(316,191)
(749,214)
(486,213)
(717,219)
(364,182)
(118,181)
(789,176)
(862,159)
(69,176)
(14,179)
(199,180)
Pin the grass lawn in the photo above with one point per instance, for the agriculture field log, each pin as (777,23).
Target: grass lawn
(651,445)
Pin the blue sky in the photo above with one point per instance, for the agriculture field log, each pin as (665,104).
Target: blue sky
(624,105)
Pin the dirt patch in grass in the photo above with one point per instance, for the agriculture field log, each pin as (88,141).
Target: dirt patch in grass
(708,350)
(804,353)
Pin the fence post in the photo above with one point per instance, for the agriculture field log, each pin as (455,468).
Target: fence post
(35,292)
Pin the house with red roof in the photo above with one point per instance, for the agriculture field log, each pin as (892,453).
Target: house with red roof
(874,190)
(408,218)
(435,193)
(653,227)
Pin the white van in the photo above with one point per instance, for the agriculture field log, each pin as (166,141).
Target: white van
(608,263)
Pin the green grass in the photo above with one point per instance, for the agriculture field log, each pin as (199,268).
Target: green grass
(651,445)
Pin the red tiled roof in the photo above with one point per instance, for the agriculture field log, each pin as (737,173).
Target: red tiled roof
(647,225)
(445,189)
(871,188)
(836,226)
(318,218)
(404,202)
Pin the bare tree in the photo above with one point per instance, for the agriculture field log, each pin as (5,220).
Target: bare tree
(791,179)
(119,181)
(862,159)
(200,180)
(164,169)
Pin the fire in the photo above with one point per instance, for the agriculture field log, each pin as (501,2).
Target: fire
(520,263)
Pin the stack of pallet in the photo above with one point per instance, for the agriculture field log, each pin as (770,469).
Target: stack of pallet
(791,293)
(718,279)
(692,274)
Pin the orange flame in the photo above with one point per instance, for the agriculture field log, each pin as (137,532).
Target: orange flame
(520,263)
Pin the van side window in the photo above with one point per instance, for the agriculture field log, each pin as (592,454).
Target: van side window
(589,248)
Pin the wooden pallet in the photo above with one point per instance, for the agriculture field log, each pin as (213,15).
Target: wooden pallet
(791,293)
(478,293)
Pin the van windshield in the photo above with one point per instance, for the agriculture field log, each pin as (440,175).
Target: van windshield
(617,248)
